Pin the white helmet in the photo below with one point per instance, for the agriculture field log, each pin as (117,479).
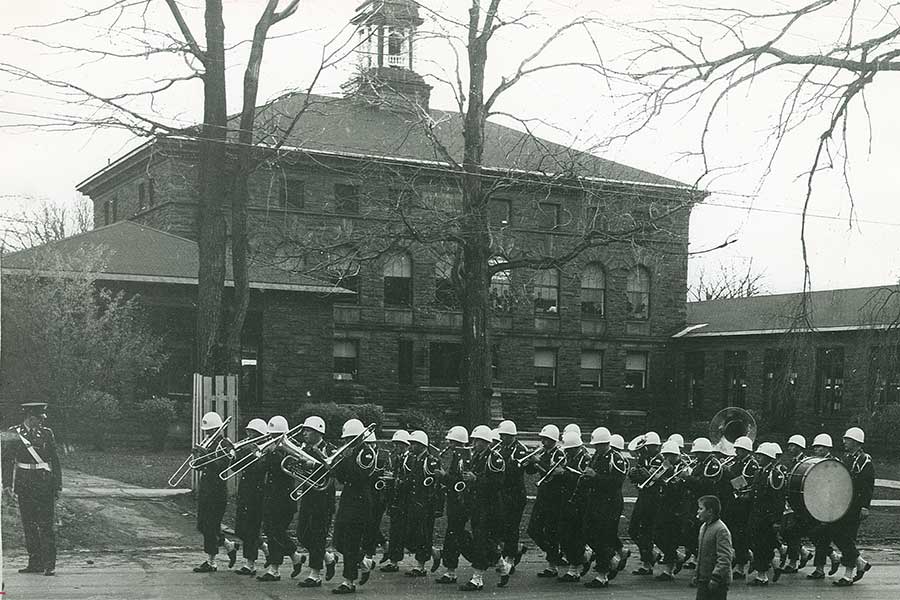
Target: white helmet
(352,428)
(798,440)
(571,439)
(402,436)
(652,439)
(277,424)
(767,449)
(777,447)
(419,437)
(726,449)
(677,438)
(823,439)
(617,441)
(210,420)
(483,433)
(572,427)
(315,423)
(551,432)
(856,434)
(670,447)
(459,434)
(600,435)
(744,442)
(507,428)
(701,444)
(257,425)
(495,435)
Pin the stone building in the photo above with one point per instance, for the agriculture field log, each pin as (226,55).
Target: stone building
(585,342)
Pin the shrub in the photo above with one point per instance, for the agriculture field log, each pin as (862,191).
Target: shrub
(157,414)
(880,426)
(97,415)
(333,414)
(433,425)
(368,414)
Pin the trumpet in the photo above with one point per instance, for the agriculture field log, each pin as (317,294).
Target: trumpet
(224,452)
(654,476)
(550,470)
(520,462)
(459,487)
(205,445)
(262,448)
(318,478)
(382,482)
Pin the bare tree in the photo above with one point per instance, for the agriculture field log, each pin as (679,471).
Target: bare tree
(43,221)
(727,282)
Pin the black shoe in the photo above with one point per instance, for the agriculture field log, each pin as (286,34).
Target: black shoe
(344,589)
(843,582)
(861,573)
(30,569)
(678,566)
(567,578)
(548,573)
(612,574)
(587,565)
(504,581)
(245,570)
(295,570)
(416,572)
(776,575)
(446,578)
(469,586)
(789,570)
(664,577)
(364,575)
(309,582)
(816,575)
(804,559)
(738,575)
(596,583)
(268,577)
(232,555)
(523,549)
(329,569)
(384,559)
(389,568)
(835,565)
(50,571)
(205,567)
(642,571)
(624,561)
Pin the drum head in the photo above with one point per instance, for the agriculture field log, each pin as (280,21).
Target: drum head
(827,491)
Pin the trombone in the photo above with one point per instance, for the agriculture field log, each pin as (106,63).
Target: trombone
(550,470)
(262,448)
(223,452)
(318,478)
(204,445)
(520,462)
(654,476)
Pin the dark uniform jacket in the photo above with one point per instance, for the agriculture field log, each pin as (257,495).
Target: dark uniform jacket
(31,476)
(862,470)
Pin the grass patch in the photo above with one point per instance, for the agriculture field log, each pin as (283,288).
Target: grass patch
(136,466)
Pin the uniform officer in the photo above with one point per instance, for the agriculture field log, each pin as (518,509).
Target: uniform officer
(457,539)
(423,471)
(572,536)
(543,527)
(844,530)
(514,497)
(398,503)
(316,507)
(30,462)
(640,528)
(740,475)
(212,499)
(248,514)
(767,505)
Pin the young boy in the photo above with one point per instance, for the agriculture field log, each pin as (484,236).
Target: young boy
(714,552)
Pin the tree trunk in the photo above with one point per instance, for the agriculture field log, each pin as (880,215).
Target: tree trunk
(212,190)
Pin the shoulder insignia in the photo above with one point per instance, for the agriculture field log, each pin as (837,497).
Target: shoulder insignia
(496,463)
(618,463)
(712,469)
(366,459)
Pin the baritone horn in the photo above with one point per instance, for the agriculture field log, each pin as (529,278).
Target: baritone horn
(729,424)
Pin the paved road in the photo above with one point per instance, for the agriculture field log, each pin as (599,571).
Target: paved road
(166,575)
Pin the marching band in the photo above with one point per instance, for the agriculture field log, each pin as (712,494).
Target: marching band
(770,500)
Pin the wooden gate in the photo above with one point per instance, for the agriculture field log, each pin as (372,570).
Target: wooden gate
(219,394)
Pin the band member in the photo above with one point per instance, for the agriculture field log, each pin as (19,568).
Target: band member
(316,508)
(617,443)
(844,530)
(278,508)
(678,439)
(543,527)
(31,464)
(457,539)
(398,504)
(423,472)
(603,483)
(571,520)
(820,533)
(640,528)
(704,478)
(212,498)
(382,481)
(767,497)
(714,552)
(740,474)
(795,525)
(248,514)
(483,484)
(514,498)
(670,515)
(355,509)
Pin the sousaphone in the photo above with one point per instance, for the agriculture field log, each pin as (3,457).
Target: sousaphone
(729,424)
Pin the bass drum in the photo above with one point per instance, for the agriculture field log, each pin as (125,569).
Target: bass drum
(821,488)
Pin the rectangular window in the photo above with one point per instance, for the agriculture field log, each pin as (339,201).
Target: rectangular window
(346,198)
(346,360)
(106,206)
(829,380)
(548,216)
(636,370)
(545,367)
(398,291)
(115,209)
(443,369)
(293,193)
(591,369)
(142,196)
(884,374)
(735,376)
(546,292)
(695,368)
(151,199)
(500,212)
(405,362)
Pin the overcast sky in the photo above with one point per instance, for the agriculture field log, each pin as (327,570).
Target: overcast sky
(762,216)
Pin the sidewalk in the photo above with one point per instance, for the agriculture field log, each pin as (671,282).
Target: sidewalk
(82,485)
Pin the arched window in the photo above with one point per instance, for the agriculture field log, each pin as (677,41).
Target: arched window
(637,293)
(398,280)
(593,291)
(546,291)
(501,287)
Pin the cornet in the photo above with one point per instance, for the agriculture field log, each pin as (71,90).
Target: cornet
(205,445)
